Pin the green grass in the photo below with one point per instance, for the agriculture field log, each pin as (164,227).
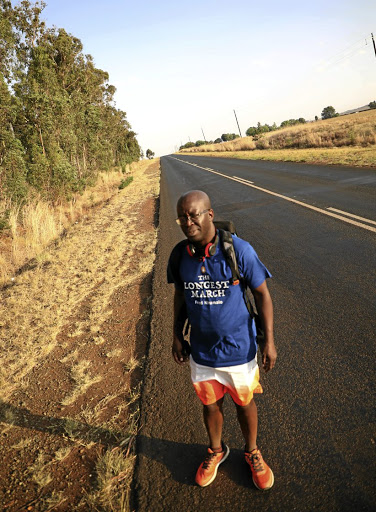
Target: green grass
(126,182)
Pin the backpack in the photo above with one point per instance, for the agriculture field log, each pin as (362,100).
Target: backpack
(226,232)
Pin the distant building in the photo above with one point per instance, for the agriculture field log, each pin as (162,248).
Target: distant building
(355,110)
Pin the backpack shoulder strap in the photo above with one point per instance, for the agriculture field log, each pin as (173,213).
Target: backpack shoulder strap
(229,250)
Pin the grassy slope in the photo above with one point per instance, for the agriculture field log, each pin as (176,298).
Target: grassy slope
(345,140)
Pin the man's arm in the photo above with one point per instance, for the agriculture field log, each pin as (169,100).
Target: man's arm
(264,307)
(177,336)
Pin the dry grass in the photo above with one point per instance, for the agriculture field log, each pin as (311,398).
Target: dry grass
(337,156)
(37,223)
(82,379)
(347,139)
(351,130)
(39,471)
(113,470)
(114,467)
(90,261)
(241,144)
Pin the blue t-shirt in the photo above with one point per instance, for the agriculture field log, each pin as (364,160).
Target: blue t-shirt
(222,331)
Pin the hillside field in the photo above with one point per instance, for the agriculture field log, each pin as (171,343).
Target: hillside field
(343,140)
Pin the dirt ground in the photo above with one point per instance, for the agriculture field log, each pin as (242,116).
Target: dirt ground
(74,331)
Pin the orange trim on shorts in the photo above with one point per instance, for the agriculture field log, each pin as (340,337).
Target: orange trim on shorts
(210,391)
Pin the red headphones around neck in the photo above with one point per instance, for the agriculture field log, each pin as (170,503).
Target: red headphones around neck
(209,249)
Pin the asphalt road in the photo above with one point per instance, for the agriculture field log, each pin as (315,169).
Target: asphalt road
(317,419)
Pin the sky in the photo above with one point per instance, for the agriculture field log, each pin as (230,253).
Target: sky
(182,68)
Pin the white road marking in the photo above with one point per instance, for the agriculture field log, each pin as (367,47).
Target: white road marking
(314,208)
(352,215)
(243,179)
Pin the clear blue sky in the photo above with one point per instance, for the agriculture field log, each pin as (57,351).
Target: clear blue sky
(180,67)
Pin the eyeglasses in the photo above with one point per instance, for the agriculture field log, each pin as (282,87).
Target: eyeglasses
(193,217)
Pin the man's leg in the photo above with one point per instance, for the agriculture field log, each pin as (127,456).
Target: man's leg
(247,417)
(262,475)
(213,418)
(218,451)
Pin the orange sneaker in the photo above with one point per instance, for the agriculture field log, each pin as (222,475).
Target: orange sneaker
(262,475)
(207,471)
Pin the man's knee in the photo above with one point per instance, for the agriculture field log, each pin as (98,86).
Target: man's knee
(214,408)
(245,408)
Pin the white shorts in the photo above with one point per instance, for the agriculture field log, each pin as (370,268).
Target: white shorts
(240,382)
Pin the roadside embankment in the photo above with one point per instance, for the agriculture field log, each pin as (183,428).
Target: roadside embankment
(74,331)
(345,140)
(27,228)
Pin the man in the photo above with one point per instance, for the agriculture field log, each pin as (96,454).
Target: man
(223,336)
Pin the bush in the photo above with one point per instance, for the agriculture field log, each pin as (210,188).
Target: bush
(126,182)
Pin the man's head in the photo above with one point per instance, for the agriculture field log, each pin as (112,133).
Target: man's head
(200,229)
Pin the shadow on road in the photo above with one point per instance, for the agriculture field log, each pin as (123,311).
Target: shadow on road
(183,459)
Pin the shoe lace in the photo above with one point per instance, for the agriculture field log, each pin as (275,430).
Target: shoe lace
(256,460)
(208,460)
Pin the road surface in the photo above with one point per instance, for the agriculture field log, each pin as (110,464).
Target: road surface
(314,228)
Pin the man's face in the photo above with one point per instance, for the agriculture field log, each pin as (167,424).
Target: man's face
(201,230)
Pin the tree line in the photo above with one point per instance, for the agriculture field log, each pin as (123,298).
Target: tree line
(59,125)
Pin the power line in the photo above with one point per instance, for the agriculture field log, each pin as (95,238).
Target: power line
(347,56)
(340,52)
(346,52)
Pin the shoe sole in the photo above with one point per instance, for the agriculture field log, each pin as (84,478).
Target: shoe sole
(216,469)
(265,488)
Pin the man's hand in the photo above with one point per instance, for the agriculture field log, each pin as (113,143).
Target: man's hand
(178,353)
(264,307)
(269,355)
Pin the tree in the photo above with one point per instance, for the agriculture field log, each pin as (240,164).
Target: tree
(260,128)
(187,145)
(252,131)
(149,154)
(228,136)
(372,104)
(328,112)
(58,122)
(12,165)
(218,141)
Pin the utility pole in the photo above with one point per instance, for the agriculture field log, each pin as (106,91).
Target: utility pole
(374,46)
(203,133)
(238,124)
